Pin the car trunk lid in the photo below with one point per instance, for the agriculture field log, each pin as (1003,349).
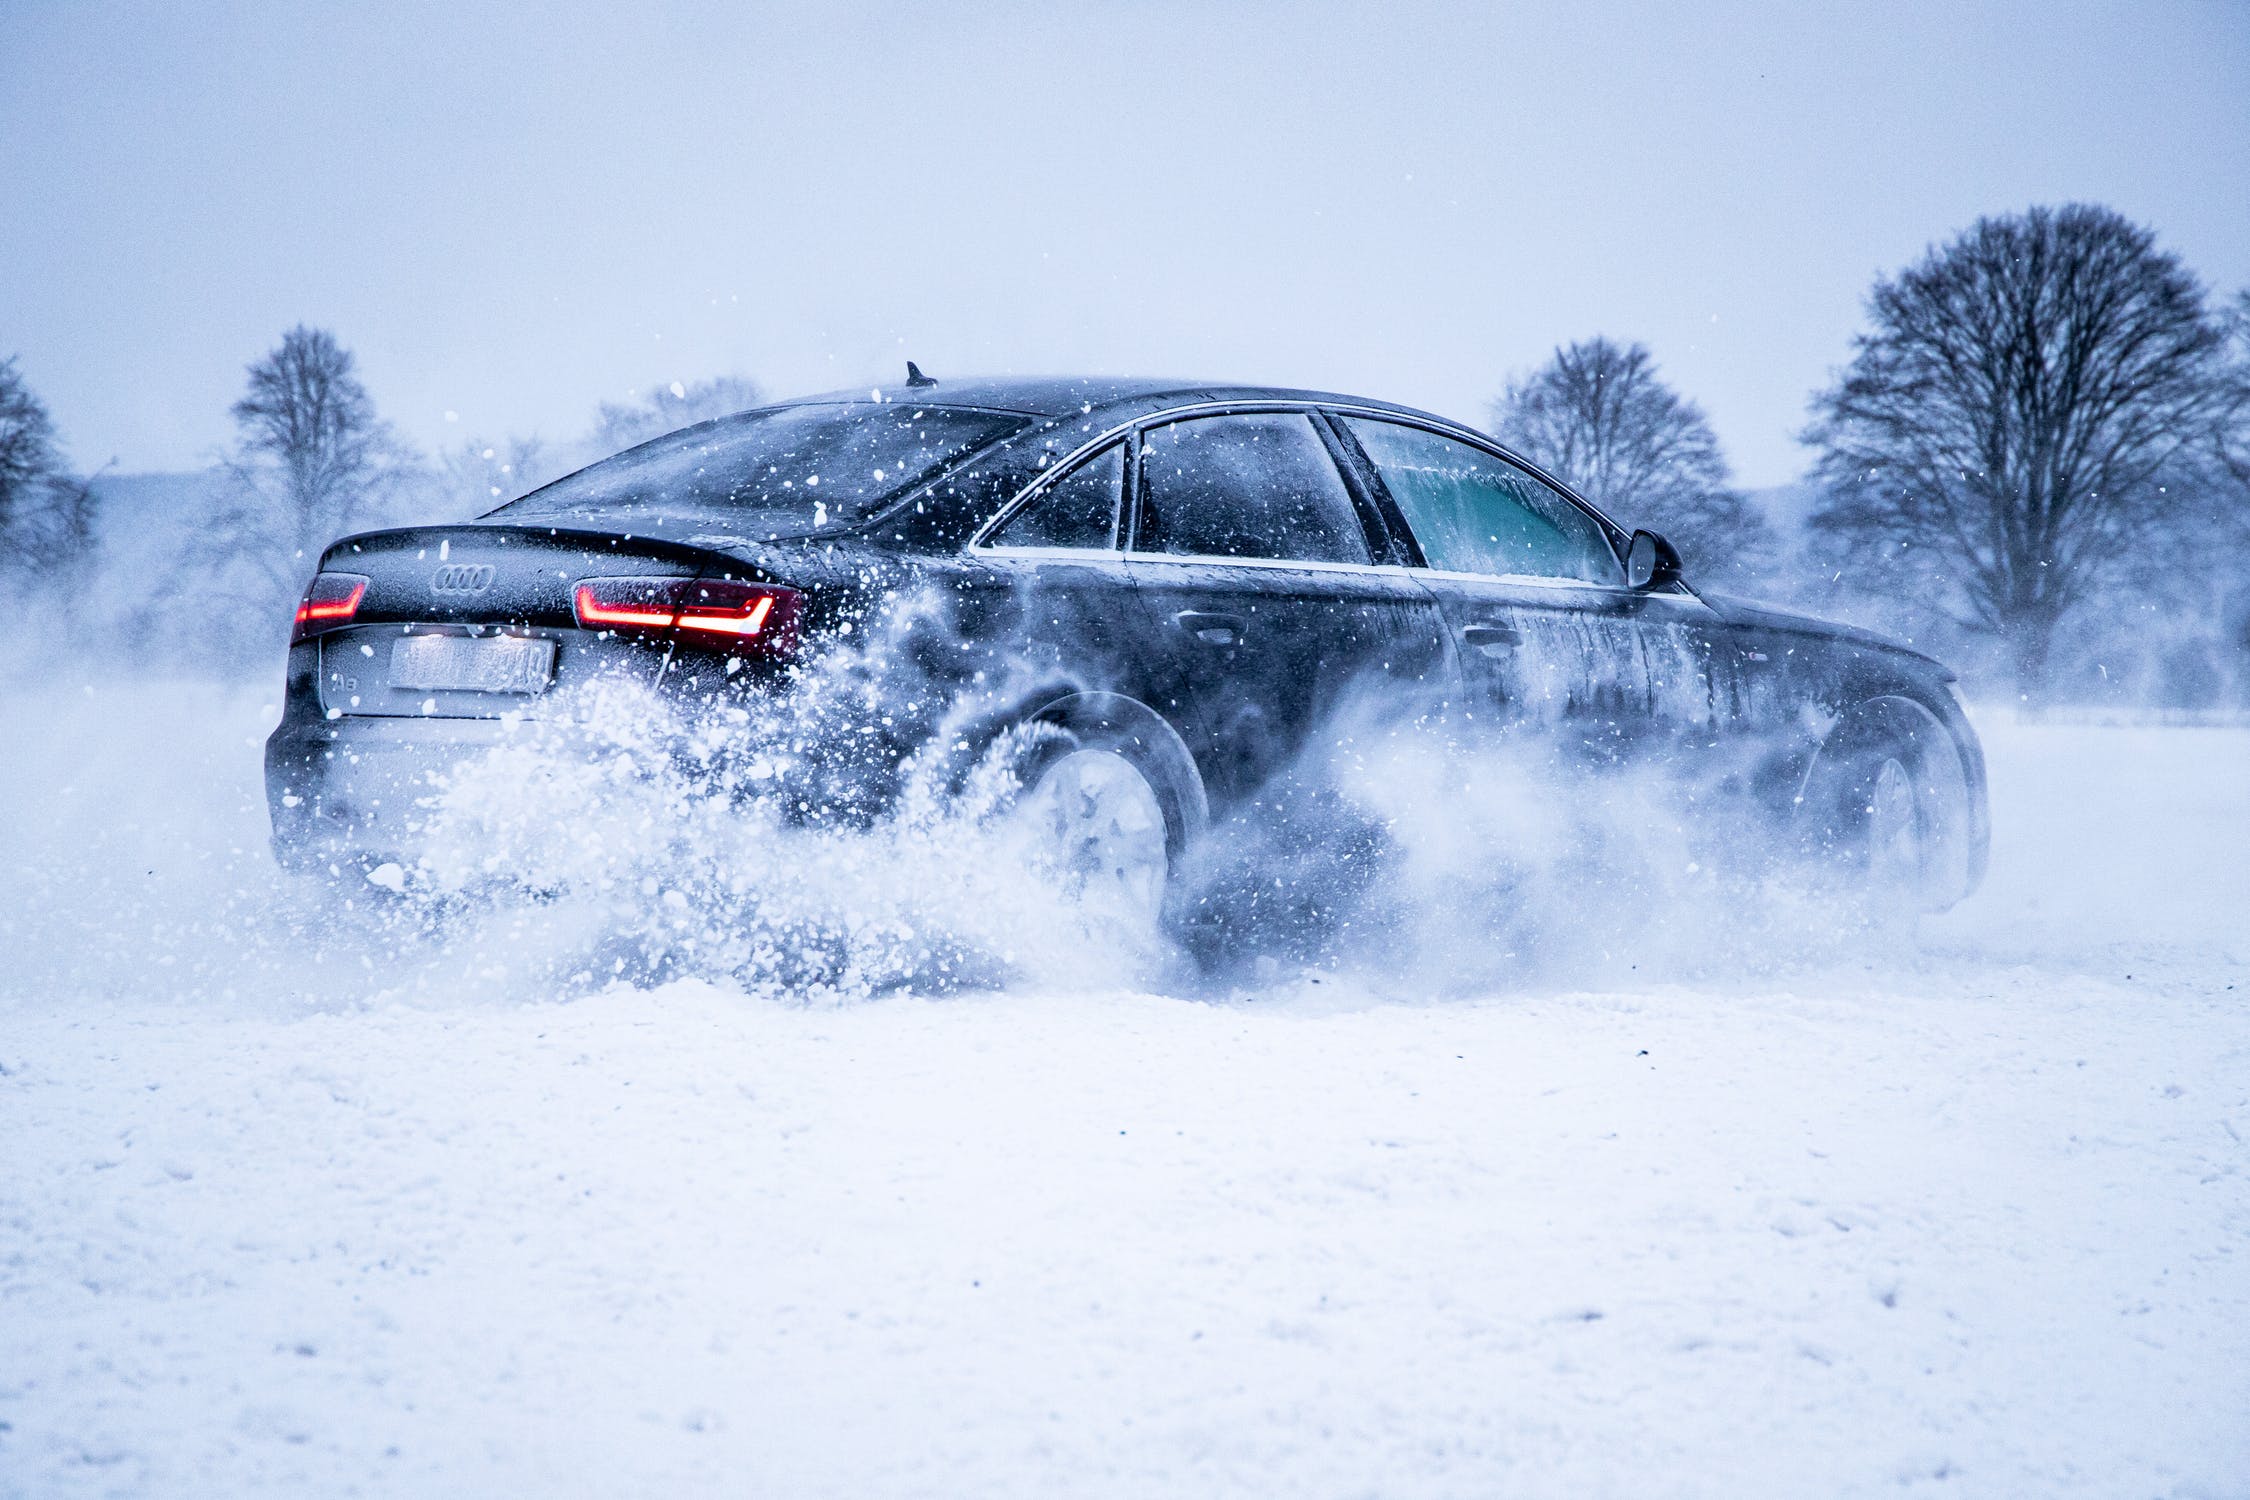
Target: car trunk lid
(478,621)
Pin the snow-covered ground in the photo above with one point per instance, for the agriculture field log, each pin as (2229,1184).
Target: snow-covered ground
(292,1206)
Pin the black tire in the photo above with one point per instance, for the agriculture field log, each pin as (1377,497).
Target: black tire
(1884,808)
(1093,727)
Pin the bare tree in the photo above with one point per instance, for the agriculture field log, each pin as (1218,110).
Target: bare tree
(2002,439)
(479,475)
(27,440)
(2231,447)
(669,408)
(1598,417)
(311,462)
(46,516)
(29,462)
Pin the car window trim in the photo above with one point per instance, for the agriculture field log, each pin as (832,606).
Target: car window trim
(1060,554)
(1224,560)
(981,539)
(1327,420)
(1129,506)
(1527,580)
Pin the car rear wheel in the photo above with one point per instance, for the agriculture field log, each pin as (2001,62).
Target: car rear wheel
(1098,825)
(1108,800)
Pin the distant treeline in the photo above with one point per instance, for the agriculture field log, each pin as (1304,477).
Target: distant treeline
(2036,463)
(311,461)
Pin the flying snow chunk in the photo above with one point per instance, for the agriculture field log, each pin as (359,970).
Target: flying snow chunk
(389,876)
(679,390)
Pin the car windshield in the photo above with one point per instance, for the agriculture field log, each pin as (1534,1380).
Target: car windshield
(783,471)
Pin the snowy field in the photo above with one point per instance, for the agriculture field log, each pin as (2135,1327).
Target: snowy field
(290,1207)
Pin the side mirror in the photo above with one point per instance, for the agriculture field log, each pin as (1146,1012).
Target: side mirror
(1650,563)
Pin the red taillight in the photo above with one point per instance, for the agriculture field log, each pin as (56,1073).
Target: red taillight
(756,618)
(330,600)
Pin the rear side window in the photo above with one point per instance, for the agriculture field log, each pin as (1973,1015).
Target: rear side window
(1245,486)
(1078,510)
(1474,512)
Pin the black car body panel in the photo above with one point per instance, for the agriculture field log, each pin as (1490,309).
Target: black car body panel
(1082,553)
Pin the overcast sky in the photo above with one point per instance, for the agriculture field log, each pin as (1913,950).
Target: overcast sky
(510,213)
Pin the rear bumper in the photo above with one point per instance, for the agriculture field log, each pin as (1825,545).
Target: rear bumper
(358,788)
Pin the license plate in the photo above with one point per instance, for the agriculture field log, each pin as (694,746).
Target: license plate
(472,664)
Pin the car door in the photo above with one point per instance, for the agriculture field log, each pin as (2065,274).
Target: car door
(1534,593)
(1049,601)
(1258,571)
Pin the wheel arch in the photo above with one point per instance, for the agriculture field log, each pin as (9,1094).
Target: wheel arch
(1115,718)
(1120,719)
(1948,771)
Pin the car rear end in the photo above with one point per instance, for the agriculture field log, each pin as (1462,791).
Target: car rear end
(414,648)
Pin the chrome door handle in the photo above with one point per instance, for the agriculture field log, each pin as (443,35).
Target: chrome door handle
(1492,639)
(1211,629)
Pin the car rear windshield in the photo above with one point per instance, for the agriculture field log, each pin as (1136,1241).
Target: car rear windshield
(783,471)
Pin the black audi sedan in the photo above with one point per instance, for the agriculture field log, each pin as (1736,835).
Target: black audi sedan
(1153,595)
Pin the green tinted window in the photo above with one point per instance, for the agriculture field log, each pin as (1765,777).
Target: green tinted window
(1474,512)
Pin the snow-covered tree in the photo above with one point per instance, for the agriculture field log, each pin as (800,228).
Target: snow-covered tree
(1598,417)
(311,462)
(2029,412)
(46,516)
(477,475)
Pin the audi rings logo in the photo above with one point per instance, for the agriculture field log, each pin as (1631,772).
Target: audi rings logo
(462,578)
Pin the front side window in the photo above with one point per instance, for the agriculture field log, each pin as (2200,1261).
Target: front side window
(1254,485)
(1078,510)
(1474,512)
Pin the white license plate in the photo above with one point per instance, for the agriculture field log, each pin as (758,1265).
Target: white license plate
(472,664)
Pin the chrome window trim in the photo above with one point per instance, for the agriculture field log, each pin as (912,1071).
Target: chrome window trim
(1209,560)
(979,541)
(1127,430)
(1068,554)
(1527,580)
(1609,591)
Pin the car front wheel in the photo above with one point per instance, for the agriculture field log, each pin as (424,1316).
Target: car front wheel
(1885,806)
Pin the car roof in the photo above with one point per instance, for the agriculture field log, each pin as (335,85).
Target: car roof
(1111,399)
